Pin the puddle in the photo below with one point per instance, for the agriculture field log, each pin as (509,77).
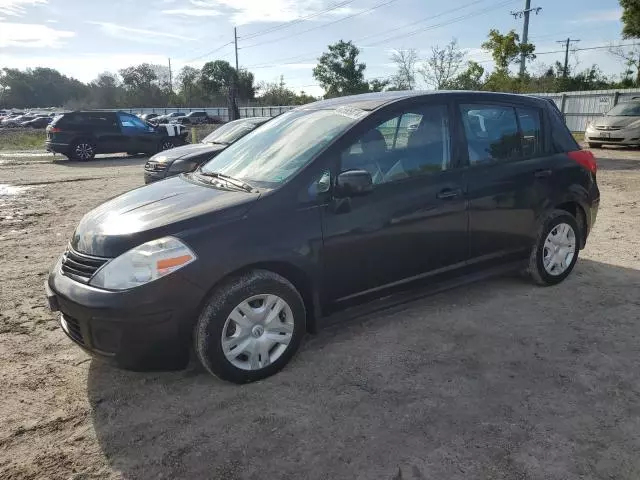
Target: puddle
(8,190)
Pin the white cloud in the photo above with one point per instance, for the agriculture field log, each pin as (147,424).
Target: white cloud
(138,34)
(31,35)
(193,12)
(592,16)
(18,7)
(255,11)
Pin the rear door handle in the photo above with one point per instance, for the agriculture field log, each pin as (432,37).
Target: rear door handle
(543,173)
(448,193)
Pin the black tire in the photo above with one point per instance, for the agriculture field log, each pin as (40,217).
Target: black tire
(166,144)
(82,150)
(594,145)
(210,325)
(536,269)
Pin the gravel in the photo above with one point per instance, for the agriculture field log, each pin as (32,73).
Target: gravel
(500,380)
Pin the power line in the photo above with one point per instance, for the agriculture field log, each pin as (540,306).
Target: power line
(307,55)
(443,24)
(294,22)
(209,52)
(375,7)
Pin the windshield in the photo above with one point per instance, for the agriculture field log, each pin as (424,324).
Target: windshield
(230,132)
(281,147)
(631,109)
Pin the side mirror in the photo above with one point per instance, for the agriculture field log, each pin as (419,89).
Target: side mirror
(353,183)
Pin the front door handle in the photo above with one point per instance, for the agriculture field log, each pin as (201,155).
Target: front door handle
(543,173)
(449,193)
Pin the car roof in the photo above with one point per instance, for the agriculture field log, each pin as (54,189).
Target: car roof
(373,101)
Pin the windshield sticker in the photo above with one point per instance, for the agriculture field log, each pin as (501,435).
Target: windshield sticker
(351,112)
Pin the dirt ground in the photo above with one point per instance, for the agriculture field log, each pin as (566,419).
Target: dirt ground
(499,380)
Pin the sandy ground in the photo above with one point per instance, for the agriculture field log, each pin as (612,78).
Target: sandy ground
(500,380)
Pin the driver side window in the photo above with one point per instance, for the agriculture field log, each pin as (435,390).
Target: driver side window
(414,142)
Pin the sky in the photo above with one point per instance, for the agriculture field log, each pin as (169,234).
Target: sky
(82,38)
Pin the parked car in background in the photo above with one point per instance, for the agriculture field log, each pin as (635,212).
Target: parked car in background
(197,118)
(81,135)
(16,121)
(149,117)
(318,210)
(168,117)
(619,126)
(38,122)
(189,157)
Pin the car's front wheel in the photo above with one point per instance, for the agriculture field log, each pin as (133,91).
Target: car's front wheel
(251,327)
(83,150)
(555,252)
(167,144)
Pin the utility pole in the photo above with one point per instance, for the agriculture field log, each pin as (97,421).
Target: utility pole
(170,78)
(235,42)
(525,29)
(567,43)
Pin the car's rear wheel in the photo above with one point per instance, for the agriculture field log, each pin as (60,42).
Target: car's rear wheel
(251,327)
(83,150)
(594,145)
(555,252)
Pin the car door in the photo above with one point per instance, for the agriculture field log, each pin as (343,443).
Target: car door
(506,178)
(103,127)
(413,222)
(137,135)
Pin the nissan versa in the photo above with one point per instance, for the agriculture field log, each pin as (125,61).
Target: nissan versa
(329,205)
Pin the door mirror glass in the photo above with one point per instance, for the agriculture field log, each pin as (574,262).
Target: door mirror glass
(353,183)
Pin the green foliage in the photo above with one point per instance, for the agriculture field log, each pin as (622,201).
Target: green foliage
(339,71)
(21,139)
(469,79)
(277,93)
(507,49)
(630,18)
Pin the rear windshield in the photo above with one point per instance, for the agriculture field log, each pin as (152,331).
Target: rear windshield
(631,109)
(230,132)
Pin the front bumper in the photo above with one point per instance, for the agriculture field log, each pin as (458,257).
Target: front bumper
(145,328)
(612,137)
(154,175)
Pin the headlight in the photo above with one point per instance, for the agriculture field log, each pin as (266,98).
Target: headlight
(143,264)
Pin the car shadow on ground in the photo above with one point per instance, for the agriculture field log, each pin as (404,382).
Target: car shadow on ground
(500,379)
(103,161)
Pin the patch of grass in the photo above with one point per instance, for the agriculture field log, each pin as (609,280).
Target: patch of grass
(22,139)
(579,136)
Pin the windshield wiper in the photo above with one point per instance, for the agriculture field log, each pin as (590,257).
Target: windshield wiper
(233,181)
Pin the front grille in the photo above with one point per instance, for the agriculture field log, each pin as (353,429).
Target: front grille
(607,128)
(154,166)
(80,266)
(73,328)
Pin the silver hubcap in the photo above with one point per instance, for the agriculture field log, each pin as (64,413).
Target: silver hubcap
(257,332)
(559,249)
(84,151)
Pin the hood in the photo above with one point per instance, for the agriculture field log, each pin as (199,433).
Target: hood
(162,208)
(192,150)
(614,121)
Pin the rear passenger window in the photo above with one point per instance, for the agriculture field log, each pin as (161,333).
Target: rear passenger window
(492,133)
(529,119)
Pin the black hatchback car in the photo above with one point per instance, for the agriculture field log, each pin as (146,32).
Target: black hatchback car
(188,157)
(82,135)
(331,204)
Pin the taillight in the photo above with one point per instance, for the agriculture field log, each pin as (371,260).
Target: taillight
(54,130)
(584,158)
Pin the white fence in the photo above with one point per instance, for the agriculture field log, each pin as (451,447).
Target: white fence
(577,107)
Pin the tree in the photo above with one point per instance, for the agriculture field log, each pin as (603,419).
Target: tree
(104,91)
(189,86)
(220,78)
(405,76)
(377,85)
(469,79)
(246,87)
(507,49)
(630,18)
(443,65)
(339,71)
(631,59)
(143,86)
(277,93)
